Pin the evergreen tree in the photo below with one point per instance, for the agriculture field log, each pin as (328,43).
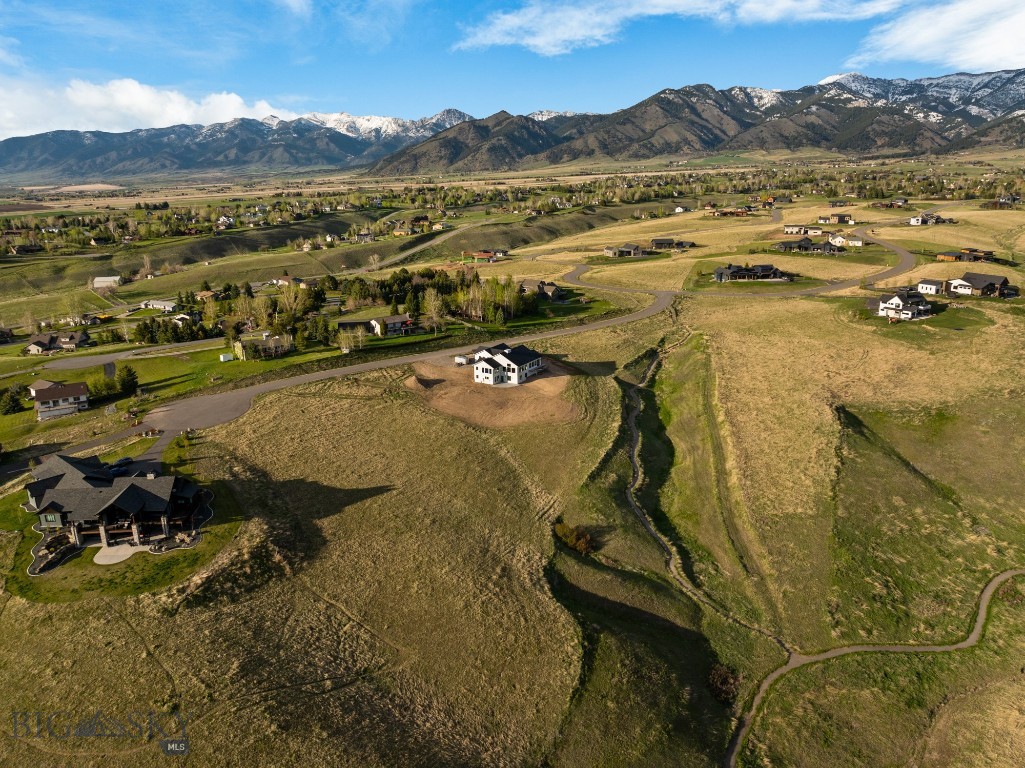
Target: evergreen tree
(127,379)
(10,402)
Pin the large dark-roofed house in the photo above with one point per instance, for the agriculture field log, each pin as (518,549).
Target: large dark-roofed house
(977,284)
(732,272)
(82,498)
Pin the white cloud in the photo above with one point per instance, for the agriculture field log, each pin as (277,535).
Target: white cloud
(551,29)
(31,106)
(7,55)
(964,34)
(373,22)
(301,8)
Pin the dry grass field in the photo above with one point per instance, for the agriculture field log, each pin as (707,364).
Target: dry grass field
(782,368)
(394,578)
(955,710)
(1002,231)
(702,229)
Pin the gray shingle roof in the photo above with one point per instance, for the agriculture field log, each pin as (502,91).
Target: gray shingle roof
(86,492)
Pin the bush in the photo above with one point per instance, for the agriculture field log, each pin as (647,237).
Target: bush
(724,683)
(101,387)
(575,537)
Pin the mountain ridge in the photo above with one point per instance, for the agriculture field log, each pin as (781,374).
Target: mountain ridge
(848,112)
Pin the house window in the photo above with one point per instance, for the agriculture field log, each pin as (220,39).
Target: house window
(49,518)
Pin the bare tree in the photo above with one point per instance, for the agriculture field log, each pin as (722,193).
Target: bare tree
(433,306)
(292,299)
(262,310)
(244,307)
(374,261)
(210,310)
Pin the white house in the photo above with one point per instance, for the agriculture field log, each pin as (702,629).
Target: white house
(960,287)
(106,281)
(931,287)
(394,325)
(836,238)
(164,305)
(506,365)
(917,221)
(905,304)
(61,400)
(856,241)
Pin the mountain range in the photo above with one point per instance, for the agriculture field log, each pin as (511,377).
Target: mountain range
(847,112)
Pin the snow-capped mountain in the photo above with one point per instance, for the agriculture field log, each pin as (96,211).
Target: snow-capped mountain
(376,128)
(544,115)
(986,96)
(761,99)
(316,140)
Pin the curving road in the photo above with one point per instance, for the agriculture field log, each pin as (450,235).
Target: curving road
(204,411)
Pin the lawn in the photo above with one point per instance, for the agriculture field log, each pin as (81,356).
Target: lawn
(946,321)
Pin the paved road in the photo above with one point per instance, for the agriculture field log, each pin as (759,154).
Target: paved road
(59,363)
(798,660)
(205,411)
(211,410)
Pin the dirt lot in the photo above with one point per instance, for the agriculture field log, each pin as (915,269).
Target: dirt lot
(451,390)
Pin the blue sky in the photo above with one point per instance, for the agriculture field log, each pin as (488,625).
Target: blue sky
(117,66)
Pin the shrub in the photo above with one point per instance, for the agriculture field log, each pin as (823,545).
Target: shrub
(575,537)
(724,683)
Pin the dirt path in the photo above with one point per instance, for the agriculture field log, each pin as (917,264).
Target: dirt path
(798,660)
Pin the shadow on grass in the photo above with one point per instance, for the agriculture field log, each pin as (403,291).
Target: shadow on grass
(584,368)
(638,668)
